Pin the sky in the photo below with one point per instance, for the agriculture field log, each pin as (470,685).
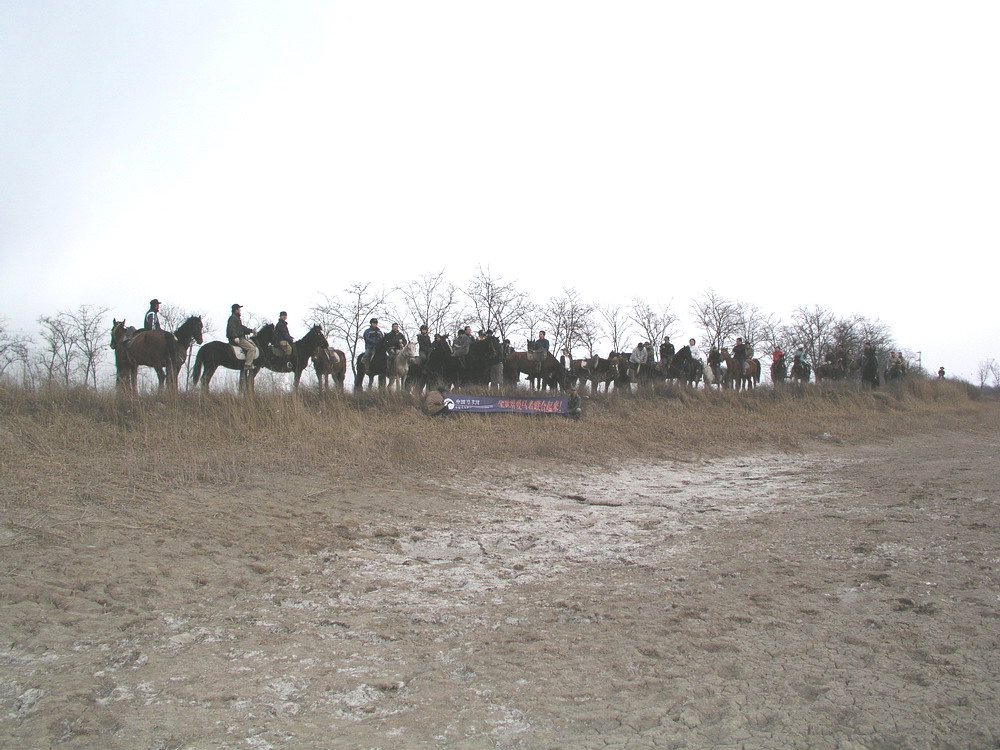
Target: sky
(783,154)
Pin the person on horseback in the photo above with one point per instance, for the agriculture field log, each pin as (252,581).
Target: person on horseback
(666,350)
(424,344)
(715,363)
(637,361)
(395,339)
(152,320)
(541,344)
(282,338)
(371,337)
(740,355)
(237,334)
(801,357)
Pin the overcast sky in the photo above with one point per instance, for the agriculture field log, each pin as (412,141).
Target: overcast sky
(783,153)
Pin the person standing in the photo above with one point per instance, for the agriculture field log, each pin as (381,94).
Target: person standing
(237,334)
(152,320)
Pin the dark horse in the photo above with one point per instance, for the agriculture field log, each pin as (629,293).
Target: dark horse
(377,365)
(216,354)
(683,367)
(484,362)
(160,350)
(801,371)
(779,369)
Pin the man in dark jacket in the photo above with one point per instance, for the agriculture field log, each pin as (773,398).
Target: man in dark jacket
(237,334)
(282,338)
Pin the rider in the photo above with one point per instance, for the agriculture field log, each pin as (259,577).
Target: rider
(460,347)
(666,350)
(424,344)
(395,339)
(715,363)
(637,360)
(152,320)
(282,338)
(371,337)
(237,334)
(541,344)
(740,354)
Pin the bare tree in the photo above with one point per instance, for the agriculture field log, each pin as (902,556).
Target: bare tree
(718,318)
(759,329)
(567,317)
(88,333)
(495,304)
(346,317)
(616,324)
(58,356)
(14,348)
(813,329)
(989,370)
(652,324)
(432,300)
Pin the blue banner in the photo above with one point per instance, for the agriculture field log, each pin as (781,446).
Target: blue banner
(456,402)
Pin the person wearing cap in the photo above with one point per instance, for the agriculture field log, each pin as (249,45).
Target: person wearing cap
(424,344)
(371,337)
(237,334)
(152,320)
(282,338)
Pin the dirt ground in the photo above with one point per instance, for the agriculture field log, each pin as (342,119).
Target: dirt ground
(841,597)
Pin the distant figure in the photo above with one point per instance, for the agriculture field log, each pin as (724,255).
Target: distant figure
(434,403)
(573,408)
(941,373)
(372,336)
(152,320)
(424,344)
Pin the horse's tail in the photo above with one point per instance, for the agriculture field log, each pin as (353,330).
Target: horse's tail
(196,372)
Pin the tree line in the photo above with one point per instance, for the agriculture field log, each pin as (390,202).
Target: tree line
(70,346)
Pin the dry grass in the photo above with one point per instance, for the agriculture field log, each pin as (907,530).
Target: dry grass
(104,448)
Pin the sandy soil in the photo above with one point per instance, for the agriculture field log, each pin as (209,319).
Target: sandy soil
(843,597)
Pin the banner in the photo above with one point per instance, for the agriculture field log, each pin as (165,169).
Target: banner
(456,402)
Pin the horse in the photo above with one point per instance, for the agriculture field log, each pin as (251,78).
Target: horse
(686,369)
(800,371)
(398,362)
(442,367)
(373,366)
(597,370)
(329,362)
(216,354)
(156,349)
(275,360)
(779,370)
(541,368)
(735,376)
(484,362)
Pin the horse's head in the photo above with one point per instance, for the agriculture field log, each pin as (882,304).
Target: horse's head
(316,335)
(197,328)
(119,332)
(265,334)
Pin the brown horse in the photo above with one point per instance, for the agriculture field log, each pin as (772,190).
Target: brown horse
(329,363)
(543,370)
(735,377)
(157,349)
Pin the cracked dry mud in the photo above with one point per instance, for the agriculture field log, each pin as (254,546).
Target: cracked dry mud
(843,597)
